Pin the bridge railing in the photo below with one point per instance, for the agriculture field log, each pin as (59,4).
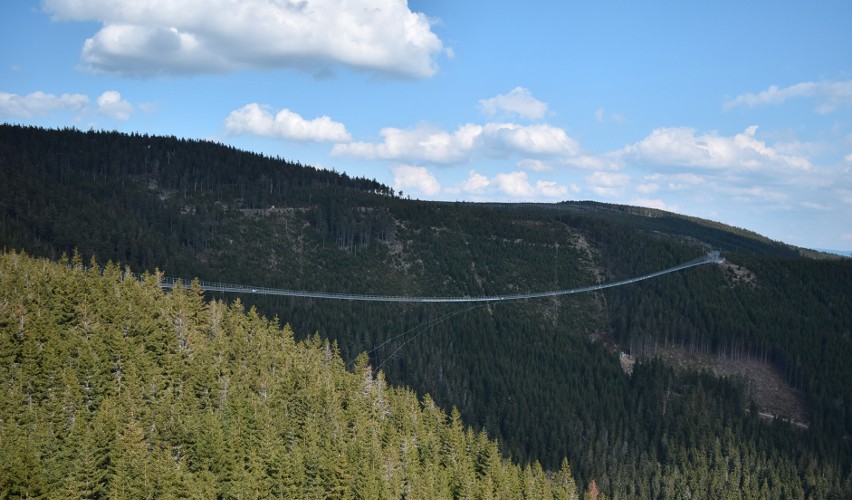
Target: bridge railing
(169,283)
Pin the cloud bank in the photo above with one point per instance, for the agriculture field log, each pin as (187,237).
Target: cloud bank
(426,143)
(661,170)
(517,185)
(681,147)
(111,104)
(39,104)
(184,37)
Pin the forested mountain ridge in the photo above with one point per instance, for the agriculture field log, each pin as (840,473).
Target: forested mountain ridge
(527,372)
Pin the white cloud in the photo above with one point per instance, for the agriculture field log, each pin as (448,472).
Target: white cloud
(552,189)
(534,139)
(476,183)
(750,194)
(607,161)
(607,183)
(519,101)
(40,103)
(518,185)
(653,203)
(675,182)
(810,205)
(830,95)
(681,147)
(422,143)
(426,143)
(535,165)
(168,37)
(647,188)
(285,124)
(419,179)
(515,184)
(111,104)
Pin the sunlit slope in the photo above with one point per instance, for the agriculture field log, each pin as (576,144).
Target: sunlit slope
(113,388)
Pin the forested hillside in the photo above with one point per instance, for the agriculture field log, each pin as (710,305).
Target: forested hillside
(113,388)
(535,374)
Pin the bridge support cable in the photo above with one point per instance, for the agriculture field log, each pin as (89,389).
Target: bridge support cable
(168,283)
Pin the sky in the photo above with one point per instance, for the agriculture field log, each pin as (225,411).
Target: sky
(735,111)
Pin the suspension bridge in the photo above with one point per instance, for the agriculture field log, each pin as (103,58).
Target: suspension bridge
(169,283)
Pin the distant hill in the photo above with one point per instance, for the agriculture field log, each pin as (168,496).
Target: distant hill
(542,376)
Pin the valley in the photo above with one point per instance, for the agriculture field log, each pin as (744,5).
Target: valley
(768,332)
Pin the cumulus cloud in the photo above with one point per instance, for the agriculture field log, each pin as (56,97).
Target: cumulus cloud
(422,143)
(533,139)
(419,179)
(175,37)
(552,189)
(430,144)
(285,124)
(518,185)
(476,183)
(519,101)
(830,95)
(681,147)
(514,184)
(111,104)
(608,184)
(538,145)
(40,103)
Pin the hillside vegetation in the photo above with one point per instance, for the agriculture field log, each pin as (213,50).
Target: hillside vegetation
(528,373)
(112,388)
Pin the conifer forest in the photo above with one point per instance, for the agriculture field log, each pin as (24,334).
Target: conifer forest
(719,381)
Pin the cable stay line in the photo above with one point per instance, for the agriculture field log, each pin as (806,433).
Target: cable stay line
(168,283)
(423,327)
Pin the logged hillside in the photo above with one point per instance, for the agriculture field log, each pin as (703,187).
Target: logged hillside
(527,373)
(115,389)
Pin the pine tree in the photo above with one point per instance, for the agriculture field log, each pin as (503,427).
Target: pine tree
(133,465)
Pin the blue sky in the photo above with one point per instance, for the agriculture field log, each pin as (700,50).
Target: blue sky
(733,111)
